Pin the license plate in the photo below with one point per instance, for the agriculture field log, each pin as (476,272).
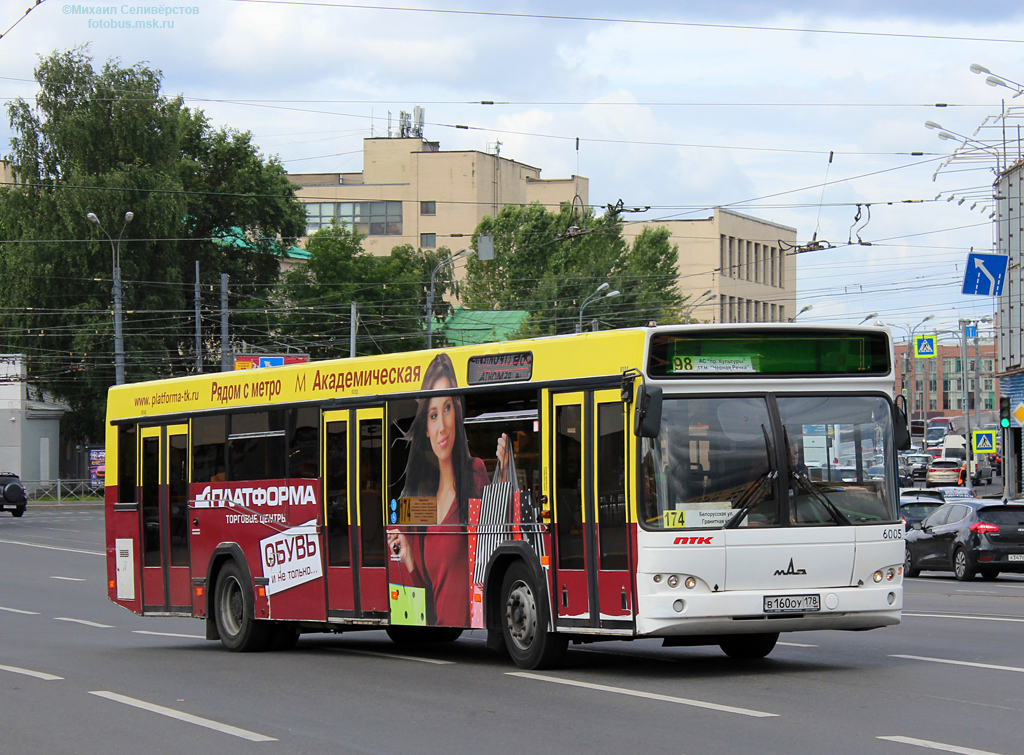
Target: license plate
(1015,557)
(792,603)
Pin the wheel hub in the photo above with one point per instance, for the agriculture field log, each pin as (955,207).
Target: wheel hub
(521,615)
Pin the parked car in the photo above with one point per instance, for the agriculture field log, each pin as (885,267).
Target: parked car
(944,472)
(968,536)
(916,504)
(12,494)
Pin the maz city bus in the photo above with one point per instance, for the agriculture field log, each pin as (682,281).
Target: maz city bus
(702,484)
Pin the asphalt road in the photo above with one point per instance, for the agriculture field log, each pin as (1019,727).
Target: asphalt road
(80,675)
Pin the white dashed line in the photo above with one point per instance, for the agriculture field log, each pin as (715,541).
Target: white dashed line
(83,621)
(395,656)
(29,672)
(938,746)
(53,548)
(960,663)
(18,610)
(186,717)
(962,616)
(69,579)
(169,634)
(646,695)
(795,644)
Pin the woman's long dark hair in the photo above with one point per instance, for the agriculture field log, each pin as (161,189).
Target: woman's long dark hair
(422,474)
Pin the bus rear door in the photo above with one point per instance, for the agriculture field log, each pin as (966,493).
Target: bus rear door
(593,588)
(163,488)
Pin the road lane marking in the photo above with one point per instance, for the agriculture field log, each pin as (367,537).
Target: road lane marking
(83,621)
(959,663)
(962,616)
(938,746)
(53,547)
(69,579)
(396,656)
(18,610)
(646,695)
(796,644)
(169,634)
(186,717)
(29,672)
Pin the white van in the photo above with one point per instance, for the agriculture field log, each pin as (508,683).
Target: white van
(955,447)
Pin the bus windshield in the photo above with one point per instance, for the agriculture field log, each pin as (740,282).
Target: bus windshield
(723,462)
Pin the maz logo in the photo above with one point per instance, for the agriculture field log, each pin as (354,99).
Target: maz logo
(790,571)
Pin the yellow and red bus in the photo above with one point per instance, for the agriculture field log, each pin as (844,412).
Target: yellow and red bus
(701,484)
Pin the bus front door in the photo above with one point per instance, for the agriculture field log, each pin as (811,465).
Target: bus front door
(592,583)
(354,513)
(163,487)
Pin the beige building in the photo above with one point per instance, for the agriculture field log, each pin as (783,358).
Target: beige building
(410,192)
(735,268)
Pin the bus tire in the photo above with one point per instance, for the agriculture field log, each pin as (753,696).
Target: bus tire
(405,635)
(524,621)
(749,647)
(239,630)
(962,569)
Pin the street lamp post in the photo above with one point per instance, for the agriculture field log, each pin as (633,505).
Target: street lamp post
(598,294)
(115,254)
(699,301)
(869,317)
(485,251)
(912,394)
(805,308)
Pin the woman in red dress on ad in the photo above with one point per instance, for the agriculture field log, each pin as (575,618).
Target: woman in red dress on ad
(440,466)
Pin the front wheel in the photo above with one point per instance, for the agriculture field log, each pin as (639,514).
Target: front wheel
(962,567)
(749,647)
(908,569)
(525,621)
(234,612)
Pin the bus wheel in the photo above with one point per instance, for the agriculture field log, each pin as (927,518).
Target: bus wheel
(403,635)
(525,622)
(748,647)
(236,622)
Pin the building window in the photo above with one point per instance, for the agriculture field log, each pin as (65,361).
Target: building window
(368,218)
(428,241)
(428,208)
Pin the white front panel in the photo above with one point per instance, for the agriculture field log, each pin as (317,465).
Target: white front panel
(124,562)
(787,558)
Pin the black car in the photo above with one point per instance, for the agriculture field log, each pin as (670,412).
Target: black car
(968,536)
(12,494)
(916,504)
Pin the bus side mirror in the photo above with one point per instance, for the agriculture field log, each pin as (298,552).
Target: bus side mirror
(647,423)
(901,427)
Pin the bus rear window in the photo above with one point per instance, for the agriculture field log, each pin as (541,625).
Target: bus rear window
(768,352)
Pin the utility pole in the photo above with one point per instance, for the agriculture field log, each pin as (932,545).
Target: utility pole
(225,348)
(199,333)
(352,332)
(968,480)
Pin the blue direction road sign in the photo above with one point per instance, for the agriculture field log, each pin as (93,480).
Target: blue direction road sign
(972,331)
(984,274)
(271,361)
(984,441)
(924,346)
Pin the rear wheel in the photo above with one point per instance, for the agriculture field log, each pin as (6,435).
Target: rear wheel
(20,511)
(989,574)
(404,635)
(525,621)
(962,566)
(908,568)
(234,612)
(748,647)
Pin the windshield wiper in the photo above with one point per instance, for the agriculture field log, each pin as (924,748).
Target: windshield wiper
(803,479)
(756,487)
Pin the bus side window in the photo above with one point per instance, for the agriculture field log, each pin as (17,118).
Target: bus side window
(303,443)
(209,438)
(126,463)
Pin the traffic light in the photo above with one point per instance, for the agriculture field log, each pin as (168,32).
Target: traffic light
(1004,411)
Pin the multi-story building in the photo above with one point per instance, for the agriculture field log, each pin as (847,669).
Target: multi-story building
(410,192)
(938,387)
(734,267)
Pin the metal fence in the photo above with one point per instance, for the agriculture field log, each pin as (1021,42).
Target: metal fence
(64,491)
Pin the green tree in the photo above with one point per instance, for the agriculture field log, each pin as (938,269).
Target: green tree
(389,291)
(109,142)
(548,263)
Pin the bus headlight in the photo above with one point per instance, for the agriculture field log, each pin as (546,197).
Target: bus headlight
(673,580)
(877,576)
(690,583)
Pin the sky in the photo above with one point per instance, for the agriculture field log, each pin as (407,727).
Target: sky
(788,111)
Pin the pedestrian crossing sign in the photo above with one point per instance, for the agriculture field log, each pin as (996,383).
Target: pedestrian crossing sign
(924,347)
(984,441)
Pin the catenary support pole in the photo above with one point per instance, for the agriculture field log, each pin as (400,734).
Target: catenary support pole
(199,329)
(225,348)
